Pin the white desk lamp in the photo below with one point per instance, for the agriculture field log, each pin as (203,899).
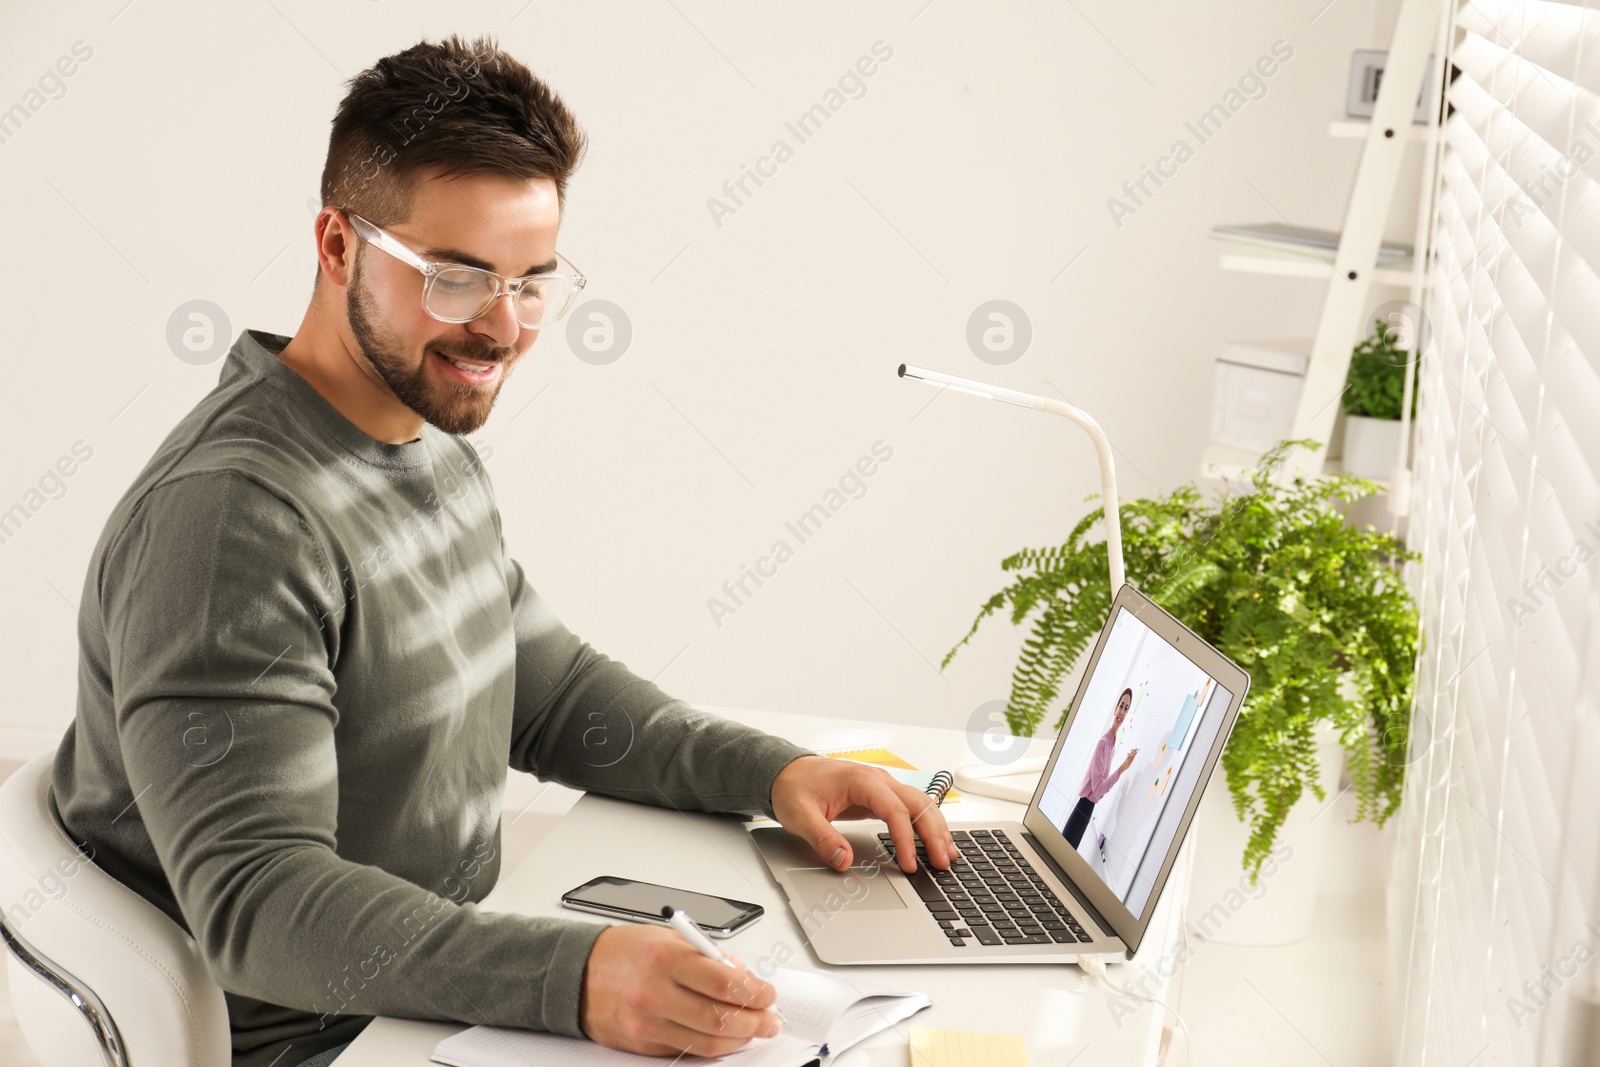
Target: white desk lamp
(977,778)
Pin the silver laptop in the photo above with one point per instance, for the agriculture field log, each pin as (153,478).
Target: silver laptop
(1083,870)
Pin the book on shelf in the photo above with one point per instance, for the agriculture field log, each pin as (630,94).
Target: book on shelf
(1307,241)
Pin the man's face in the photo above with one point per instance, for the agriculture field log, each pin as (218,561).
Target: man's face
(505,225)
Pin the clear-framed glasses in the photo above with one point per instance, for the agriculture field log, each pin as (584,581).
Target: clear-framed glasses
(452,292)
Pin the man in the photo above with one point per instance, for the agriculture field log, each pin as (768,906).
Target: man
(307,660)
(1099,778)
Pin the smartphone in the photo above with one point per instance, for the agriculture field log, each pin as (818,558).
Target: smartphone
(624,898)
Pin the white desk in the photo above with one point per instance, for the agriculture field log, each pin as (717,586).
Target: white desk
(1058,1010)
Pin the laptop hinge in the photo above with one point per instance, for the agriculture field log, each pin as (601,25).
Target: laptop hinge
(1077,894)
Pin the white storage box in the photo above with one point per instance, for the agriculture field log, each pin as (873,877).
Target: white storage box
(1256,390)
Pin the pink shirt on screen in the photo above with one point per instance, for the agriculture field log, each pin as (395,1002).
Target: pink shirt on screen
(1099,779)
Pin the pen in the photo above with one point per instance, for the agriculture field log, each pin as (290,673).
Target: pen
(679,920)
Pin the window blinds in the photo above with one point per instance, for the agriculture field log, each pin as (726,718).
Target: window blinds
(1495,904)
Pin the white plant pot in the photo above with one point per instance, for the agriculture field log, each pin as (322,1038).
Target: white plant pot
(1278,910)
(1371,446)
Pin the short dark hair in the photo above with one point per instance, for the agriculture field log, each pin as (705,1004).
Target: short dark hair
(465,108)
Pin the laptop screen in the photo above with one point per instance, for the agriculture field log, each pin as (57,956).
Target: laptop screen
(1132,756)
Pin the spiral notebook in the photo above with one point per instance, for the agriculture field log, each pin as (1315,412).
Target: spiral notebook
(826,1014)
(934,783)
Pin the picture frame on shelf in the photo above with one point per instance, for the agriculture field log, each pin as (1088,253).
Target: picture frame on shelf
(1366,74)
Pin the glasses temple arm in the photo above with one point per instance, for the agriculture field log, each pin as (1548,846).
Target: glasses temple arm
(374,236)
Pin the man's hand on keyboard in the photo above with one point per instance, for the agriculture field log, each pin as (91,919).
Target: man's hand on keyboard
(812,791)
(646,990)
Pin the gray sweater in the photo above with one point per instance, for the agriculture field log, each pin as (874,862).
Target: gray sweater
(306,663)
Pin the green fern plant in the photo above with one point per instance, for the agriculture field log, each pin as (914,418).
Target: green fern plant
(1276,578)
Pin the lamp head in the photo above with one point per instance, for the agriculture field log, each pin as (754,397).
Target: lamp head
(982,390)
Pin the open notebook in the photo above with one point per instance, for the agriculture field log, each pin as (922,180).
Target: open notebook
(826,1014)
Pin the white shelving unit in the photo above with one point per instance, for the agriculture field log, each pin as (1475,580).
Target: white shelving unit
(1352,270)
(1227,461)
(1357,129)
(1400,275)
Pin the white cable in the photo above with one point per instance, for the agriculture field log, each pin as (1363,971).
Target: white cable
(1095,967)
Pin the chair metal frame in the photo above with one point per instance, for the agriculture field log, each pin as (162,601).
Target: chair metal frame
(112,1049)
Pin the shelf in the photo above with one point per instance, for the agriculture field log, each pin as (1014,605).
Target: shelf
(1400,275)
(1357,129)
(1227,461)
(1336,466)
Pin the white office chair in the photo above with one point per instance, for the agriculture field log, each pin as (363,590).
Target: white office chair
(99,976)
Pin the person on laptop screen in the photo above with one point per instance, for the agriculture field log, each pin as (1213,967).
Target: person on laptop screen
(1099,778)
(307,657)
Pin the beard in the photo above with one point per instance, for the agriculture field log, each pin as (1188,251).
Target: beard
(454,407)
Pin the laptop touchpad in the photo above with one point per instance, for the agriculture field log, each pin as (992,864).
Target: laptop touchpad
(857,889)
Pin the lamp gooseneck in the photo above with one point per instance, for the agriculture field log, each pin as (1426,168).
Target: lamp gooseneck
(1102,446)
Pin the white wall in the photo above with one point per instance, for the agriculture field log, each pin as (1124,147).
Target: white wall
(977,165)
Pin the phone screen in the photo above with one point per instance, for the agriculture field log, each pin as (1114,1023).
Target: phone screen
(645,898)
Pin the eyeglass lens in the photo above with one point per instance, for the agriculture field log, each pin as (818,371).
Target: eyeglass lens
(461,293)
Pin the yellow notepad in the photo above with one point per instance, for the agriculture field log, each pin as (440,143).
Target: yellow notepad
(965,1048)
(882,757)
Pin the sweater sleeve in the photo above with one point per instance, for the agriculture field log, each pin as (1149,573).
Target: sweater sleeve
(223,618)
(586,721)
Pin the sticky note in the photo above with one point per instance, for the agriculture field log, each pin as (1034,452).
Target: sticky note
(965,1048)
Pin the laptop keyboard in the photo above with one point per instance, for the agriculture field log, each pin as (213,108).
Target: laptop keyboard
(991,895)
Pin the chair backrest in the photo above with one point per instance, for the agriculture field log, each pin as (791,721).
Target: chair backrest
(99,975)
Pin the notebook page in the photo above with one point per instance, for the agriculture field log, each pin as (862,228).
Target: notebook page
(961,1048)
(499,1046)
(830,1009)
(811,1001)
(866,1017)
